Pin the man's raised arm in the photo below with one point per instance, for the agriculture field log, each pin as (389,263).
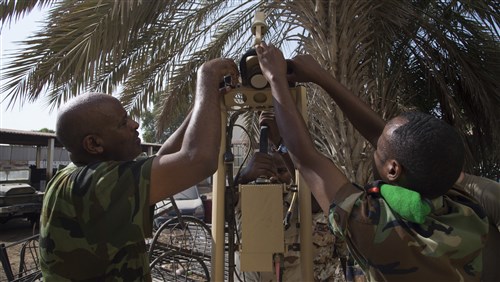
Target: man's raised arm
(193,156)
(364,119)
(322,176)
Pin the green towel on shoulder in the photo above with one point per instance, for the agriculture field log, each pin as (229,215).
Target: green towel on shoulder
(407,203)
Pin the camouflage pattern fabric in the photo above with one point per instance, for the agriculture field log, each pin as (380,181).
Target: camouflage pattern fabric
(94,221)
(446,247)
(487,193)
(328,250)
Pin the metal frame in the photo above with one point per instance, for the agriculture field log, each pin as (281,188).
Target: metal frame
(249,99)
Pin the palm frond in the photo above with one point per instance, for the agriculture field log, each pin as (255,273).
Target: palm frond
(441,57)
(13,10)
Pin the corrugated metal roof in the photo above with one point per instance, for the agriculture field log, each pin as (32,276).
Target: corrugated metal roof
(24,132)
(29,138)
(35,138)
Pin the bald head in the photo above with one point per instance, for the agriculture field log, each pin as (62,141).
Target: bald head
(79,117)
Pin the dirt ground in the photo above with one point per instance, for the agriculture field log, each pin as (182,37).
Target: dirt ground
(12,235)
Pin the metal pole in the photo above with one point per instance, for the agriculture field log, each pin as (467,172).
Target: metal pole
(50,159)
(38,156)
(305,214)
(218,219)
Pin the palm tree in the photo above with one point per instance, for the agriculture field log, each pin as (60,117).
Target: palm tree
(441,57)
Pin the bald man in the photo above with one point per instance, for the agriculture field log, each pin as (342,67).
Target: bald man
(98,210)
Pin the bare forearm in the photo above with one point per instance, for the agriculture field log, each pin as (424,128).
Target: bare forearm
(291,125)
(205,121)
(174,142)
(364,119)
(323,177)
(202,138)
(287,159)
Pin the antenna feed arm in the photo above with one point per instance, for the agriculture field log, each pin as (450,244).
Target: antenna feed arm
(259,27)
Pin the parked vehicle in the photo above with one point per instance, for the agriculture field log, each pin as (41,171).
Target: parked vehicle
(188,201)
(18,199)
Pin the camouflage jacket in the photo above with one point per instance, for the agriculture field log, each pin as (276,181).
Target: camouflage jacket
(94,221)
(487,193)
(446,247)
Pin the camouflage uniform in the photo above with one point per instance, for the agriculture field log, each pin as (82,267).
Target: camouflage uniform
(487,193)
(327,251)
(446,247)
(93,223)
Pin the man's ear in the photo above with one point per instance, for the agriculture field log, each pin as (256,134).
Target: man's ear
(92,144)
(393,170)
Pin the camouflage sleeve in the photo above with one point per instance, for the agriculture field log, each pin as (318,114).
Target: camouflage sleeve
(486,192)
(341,208)
(346,212)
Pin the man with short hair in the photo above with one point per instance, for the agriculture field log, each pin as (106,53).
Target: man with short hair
(98,210)
(402,227)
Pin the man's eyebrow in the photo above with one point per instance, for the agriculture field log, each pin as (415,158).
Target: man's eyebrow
(124,118)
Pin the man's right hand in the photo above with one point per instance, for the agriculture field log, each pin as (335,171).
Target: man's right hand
(260,165)
(268,118)
(215,70)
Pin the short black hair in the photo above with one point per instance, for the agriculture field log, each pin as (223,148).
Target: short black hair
(430,151)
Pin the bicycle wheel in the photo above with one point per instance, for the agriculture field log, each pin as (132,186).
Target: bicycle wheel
(177,266)
(181,249)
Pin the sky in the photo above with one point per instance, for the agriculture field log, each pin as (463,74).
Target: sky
(29,116)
